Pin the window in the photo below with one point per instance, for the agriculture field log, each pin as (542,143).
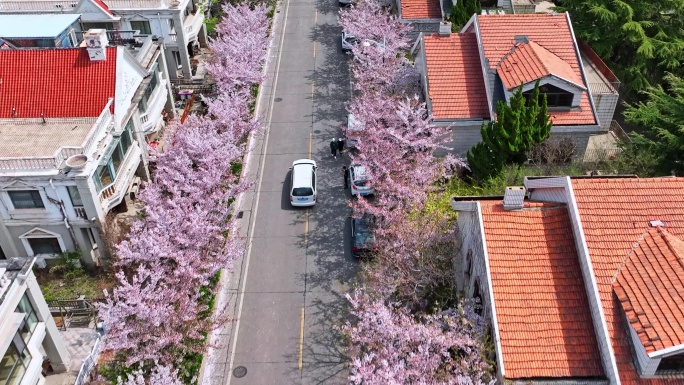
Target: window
(117,158)
(44,246)
(671,365)
(26,199)
(75,196)
(28,325)
(126,137)
(103,176)
(13,365)
(87,26)
(142,26)
(555,97)
(148,92)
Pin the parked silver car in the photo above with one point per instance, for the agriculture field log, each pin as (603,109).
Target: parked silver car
(359,181)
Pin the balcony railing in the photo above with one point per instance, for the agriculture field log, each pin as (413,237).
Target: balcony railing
(602,88)
(100,127)
(173,37)
(37,5)
(80,212)
(128,4)
(115,189)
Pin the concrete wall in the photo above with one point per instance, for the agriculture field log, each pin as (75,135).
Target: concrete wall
(467,134)
(473,244)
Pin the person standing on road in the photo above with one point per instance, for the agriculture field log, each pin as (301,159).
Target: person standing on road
(345,175)
(333,147)
(340,144)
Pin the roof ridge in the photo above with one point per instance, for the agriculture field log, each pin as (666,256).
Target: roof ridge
(510,52)
(670,244)
(629,255)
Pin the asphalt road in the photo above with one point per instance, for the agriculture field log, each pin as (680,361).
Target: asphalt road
(287,292)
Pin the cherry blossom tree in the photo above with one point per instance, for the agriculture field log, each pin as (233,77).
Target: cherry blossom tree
(159,375)
(157,313)
(240,48)
(389,345)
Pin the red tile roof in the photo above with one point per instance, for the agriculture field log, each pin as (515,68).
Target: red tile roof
(104,6)
(542,310)
(456,85)
(650,289)
(420,9)
(614,213)
(549,31)
(58,83)
(528,62)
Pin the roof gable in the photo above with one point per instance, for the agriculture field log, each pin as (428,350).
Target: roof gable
(650,289)
(550,31)
(542,310)
(55,83)
(528,62)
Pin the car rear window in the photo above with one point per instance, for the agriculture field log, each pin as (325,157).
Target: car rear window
(361,183)
(302,191)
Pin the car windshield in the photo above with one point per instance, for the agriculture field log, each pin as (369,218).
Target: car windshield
(364,231)
(302,191)
(351,39)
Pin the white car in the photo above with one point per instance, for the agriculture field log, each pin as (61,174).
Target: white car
(353,128)
(359,181)
(348,41)
(303,190)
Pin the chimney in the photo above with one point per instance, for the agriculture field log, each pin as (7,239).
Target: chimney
(514,198)
(521,39)
(445,28)
(96,43)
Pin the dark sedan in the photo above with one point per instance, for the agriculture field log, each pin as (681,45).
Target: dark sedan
(362,236)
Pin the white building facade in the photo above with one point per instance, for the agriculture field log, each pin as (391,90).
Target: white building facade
(63,171)
(28,333)
(179,23)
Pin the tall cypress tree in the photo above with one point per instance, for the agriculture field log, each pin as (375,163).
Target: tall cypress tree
(517,128)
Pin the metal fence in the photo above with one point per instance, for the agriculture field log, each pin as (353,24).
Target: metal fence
(88,364)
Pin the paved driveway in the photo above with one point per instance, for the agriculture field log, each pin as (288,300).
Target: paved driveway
(287,292)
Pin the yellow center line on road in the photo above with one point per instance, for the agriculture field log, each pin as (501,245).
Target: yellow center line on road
(301,340)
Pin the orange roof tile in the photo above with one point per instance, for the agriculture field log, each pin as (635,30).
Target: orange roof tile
(648,299)
(542,309)
(456,85)
(550,31)
(420,9)
(528,62)
(614,213)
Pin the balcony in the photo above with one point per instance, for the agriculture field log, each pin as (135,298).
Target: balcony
(192,25)
(603,85)
(112,195)
(93,130)
(151,118)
